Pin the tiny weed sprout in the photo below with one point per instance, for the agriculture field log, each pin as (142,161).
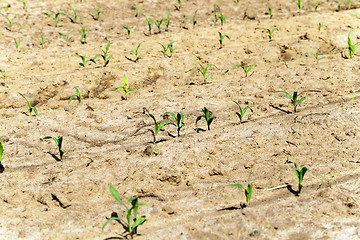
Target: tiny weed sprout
(105,55)
(125,88)
(207,116)
(128,30)
(270,12)
(248,189)
(17,44)
(136,53)
(56,17)
(299,4)
(299,174)
(193,20)
(242,111)
(78,96)
(351,46)
(97,13)
(179,121)
(221,38)
(293,99)
(29,107)
(11,23)
(246,68)
(158,24)
(270,32)
(320,26)
(58,142)
(84,61)
(66,37)
(157,127)
(150,24)
(316,5)
(203,71)
(74,16)
(178,6)
(316,55)
(2,75)
(132,222)
(83,35)
(167,23)
(42,41)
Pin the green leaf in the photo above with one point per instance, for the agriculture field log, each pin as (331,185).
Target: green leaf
(248,193)
(35,110)
(71,98)
(152,116)
(162,124)
(119,89)
(236,185)
(139,221)
(1,149)
(287,94)
(106,223)
(198,119)
(115,194)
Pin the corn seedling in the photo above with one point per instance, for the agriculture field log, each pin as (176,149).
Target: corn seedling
(320,26)
(83,35)
(158,24)
(125,88)
(97,13)
(157,127)
(66,37)
(150,24)
(56,16)
(246,68)
(42,41)
(29,107)
(207,116)
(17,44)
(293,99)
(242,111)
(316,55)
(170,47)
(270,12)
(73,18)
(203,71)
(132,222)
(136,11)
(167,22)
(222,18)
(193,20)
(10,23)
(77,95)
(351,46)
(339,4)
(270,32)
(215,19)
(84,61)
(178,6)
(1,149)
(127,30)
(316,5)
(349,4)
(179,121)
(299,174)
(58,142)
(221,38)
(23,3)
(2,75)
(105,55)
(247,190)
(299,4)
(136,53)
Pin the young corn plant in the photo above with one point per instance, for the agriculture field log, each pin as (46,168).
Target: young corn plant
(136,53)
(167,23)
(339,4)
(178,6)
(74,17)
(150,24)
(158,24)
(157,127)
(246,68)
(349,4)
(29,107)
(316,55)
(58,142)
(193,20)
(221,39)
(320,26)
(169,47)
(23,3)
(77,95)
(84,61)
(3,76)
(1,150)
(132,221)
(42,41)
(270,12)
(179,121)
(222,18)
(247,190)
(203,71)
(56,16)
(10,23)
(17,44)
(242,112)
(97,14)
(294,99)
(127,30)
(125,89)
(351,46)
(215,19)
(105,55)
(207,116)
(65,36)
(270,32)
(83,35)
(299,174)
(300,5)
(316,5)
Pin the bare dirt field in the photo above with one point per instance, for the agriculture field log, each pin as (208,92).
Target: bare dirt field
(182,178)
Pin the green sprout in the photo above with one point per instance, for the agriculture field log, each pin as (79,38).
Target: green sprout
(299,4)
(270,12)
(125,88)
(179,121)
(351,46)
(136,53)
(320,26)
(150,24)
(56,17)
(157,127)
(58,142)
(84,61)
(178,6)
(221,39)
(74,16)
(17,44)
(2,75)
(29,107)
(11,23)
(193,20)
(128,30)
(203,71)
(316,5)
(83,35)
(23,2)
(246,68)
(167,23)
(299,173)
(339,4)
(42,41)
(207,116)
(136,11)
(316,55)
(130,217)
(170,47)
(97,13)
(104,55)
(349,4)
(77,95)
(222,18)
(293,99)
(1,150)
(242,111)
(248,189)
(158,24)
(270,32)
(66,37)
(215,15)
